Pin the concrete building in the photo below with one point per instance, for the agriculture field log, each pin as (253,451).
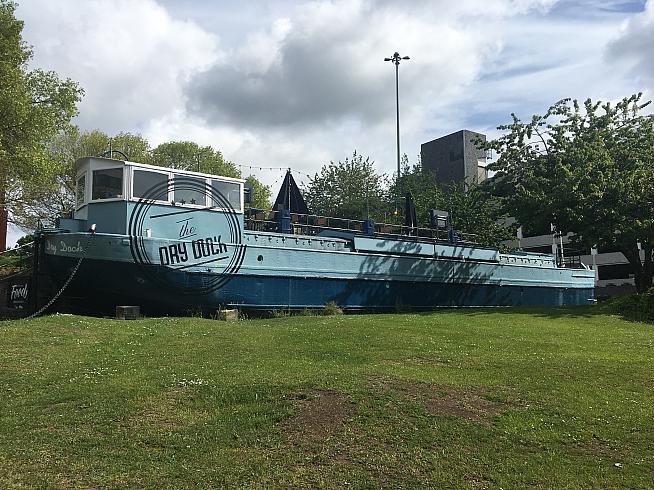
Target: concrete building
(456,157)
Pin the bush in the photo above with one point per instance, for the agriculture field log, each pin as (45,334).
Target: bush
(638,307)
(331,308)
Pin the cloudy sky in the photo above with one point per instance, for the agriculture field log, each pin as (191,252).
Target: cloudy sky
(299,83)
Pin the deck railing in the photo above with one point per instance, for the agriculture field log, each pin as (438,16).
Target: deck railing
(15,261)
(569,258)
(311,224)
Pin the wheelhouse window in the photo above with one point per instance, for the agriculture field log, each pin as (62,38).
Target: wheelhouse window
(190,190)
(223,193)
(80,190)
(107,184)
(150,185)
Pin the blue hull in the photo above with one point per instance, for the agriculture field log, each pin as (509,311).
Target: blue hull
(120,282)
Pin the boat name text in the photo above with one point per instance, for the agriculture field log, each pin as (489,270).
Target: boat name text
(63,247)
(186,230)
(177,253)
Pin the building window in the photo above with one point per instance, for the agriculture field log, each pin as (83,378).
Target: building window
(190,190)
(150,185)
(222,191)
(80,190)
(108,184)
(615,272)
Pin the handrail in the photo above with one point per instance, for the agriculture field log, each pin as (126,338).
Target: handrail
(569,259)
(312,224)
(16,248)
(16,263)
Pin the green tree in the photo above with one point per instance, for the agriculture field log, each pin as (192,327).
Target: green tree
(187,155)
(423,187)
(34,105)
(348,189)
(260,193)
(589,169)
(41,204)
(134,146)
(472,209)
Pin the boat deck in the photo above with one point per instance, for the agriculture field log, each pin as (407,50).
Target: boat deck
(261,220)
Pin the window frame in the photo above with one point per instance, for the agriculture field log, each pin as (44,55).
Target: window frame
(123,182)
(85,199)
(167,173)
(128,184)
(186,204)
(240,194)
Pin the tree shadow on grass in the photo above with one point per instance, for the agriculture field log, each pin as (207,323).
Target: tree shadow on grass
(553,312)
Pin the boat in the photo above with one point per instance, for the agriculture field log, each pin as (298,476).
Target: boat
(174,241)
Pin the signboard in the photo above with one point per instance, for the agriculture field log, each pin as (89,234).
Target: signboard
(18,293)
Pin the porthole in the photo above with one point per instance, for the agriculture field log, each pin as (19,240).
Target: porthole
(260,258)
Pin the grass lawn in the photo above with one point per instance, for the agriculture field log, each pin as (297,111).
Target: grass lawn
(558,398)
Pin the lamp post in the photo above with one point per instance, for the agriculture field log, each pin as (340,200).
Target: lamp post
(396,60)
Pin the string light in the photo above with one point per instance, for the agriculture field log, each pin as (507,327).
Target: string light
(253,167)
(262,168)
(274,183)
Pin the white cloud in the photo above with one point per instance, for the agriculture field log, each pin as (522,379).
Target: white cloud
(301,83)
(313,86)
(324,65)
(131,58)
(632,50)
(526,78)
